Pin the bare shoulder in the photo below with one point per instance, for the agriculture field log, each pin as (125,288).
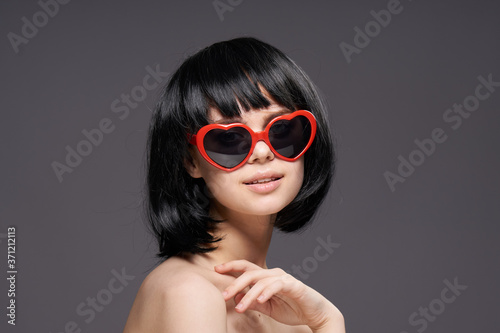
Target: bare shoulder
(171,296)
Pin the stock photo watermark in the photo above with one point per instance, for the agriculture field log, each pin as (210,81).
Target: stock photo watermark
(94,137)
(425,315)
(11,275)
(453,117)
(91,306)
(222,7)
(363,37)
(31,26)
(321,253)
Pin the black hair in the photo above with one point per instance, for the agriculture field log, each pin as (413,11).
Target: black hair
(220,76)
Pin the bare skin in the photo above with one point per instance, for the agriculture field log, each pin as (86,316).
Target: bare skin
(231,289)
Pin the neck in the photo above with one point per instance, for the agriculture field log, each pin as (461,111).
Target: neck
(242,237)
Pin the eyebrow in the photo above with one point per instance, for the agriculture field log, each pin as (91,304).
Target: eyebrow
(270,117)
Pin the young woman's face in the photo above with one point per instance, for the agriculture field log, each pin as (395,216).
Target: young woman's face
(264,185)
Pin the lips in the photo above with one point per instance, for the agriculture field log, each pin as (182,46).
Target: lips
(262,178)
(264,182)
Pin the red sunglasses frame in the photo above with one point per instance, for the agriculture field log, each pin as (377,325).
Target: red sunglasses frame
(197,139)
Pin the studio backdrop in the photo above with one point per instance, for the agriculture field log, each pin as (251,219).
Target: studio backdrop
(408,237)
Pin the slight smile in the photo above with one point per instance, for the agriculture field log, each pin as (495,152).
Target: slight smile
(263,183)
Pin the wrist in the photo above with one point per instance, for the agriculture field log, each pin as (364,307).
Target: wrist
(332,322)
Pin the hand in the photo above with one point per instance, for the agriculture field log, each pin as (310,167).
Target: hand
(280,296)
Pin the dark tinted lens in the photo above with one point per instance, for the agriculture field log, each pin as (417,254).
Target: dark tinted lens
(228,148)
(290,137)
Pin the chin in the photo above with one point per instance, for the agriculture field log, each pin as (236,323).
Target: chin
(265,206)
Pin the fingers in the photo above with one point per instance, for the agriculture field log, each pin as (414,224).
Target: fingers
(263,283)
(255,294)
(236,266)
(249,278)
(258,296)
(274,293)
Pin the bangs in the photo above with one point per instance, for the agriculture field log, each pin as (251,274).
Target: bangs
(226,76)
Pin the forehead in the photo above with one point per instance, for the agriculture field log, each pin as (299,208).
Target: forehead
(252,115)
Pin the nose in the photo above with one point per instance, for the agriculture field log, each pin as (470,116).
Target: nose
(261,153)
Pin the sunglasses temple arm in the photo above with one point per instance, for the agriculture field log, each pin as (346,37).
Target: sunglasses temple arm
(191,138)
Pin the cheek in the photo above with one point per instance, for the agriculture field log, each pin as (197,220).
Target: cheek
(297,176)
(219,184)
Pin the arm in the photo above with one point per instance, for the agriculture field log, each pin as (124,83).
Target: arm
(179,304)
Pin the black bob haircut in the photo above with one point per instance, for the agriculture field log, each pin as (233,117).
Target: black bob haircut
(220,76)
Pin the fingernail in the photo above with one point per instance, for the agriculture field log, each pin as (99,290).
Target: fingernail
(260,298)
(239,306)
(224,294)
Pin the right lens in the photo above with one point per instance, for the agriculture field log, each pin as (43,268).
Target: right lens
(227,148)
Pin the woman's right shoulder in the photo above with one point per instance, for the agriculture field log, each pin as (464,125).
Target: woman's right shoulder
(172,295)
(174,272)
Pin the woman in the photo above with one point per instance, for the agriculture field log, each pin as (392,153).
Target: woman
(238,145)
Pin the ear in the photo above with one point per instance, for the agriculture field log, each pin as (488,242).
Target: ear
(191,163)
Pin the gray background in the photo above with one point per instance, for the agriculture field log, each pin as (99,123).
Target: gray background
(396,247)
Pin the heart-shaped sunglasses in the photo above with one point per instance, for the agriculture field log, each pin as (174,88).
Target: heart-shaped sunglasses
(228,147)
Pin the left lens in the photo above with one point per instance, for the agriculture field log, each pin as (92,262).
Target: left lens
(290,137)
